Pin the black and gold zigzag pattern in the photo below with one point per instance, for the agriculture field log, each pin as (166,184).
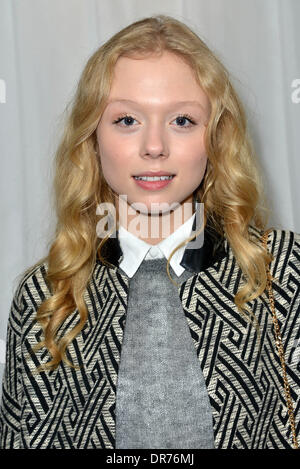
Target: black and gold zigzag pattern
(75,408)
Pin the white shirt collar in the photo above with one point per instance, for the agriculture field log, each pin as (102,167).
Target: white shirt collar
(136,250)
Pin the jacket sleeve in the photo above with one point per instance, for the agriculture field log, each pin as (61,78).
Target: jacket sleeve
(10,410)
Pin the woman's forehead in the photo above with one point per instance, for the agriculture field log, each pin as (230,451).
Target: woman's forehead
(157,82)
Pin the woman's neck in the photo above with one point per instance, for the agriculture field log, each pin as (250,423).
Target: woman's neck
(154,227)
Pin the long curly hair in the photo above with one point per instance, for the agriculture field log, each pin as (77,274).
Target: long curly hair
(231,190)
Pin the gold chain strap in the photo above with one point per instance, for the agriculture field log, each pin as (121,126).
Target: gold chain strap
(280,348)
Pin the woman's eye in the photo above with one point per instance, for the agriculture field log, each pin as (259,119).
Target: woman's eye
(181,120)
(126,119)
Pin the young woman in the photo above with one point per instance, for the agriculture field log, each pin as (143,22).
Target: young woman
(177,326)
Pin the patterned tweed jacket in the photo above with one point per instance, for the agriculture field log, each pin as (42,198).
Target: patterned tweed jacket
(75,408)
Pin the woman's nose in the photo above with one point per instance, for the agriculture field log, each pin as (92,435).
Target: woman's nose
(154,143)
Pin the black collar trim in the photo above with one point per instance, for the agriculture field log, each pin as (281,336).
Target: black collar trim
(210,248)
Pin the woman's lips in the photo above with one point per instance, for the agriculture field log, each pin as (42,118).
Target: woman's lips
(153,185)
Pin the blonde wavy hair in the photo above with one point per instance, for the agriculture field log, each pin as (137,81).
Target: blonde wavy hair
(231,190)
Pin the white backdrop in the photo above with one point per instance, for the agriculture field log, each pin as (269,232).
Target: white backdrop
(44,45)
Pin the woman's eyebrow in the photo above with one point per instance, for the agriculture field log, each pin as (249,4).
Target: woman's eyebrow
(171,104)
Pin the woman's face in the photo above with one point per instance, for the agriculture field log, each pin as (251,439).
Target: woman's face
(154,93)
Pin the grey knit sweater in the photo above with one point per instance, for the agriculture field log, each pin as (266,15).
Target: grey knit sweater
(161,399)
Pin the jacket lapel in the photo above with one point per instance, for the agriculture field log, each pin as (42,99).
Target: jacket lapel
(207,248)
